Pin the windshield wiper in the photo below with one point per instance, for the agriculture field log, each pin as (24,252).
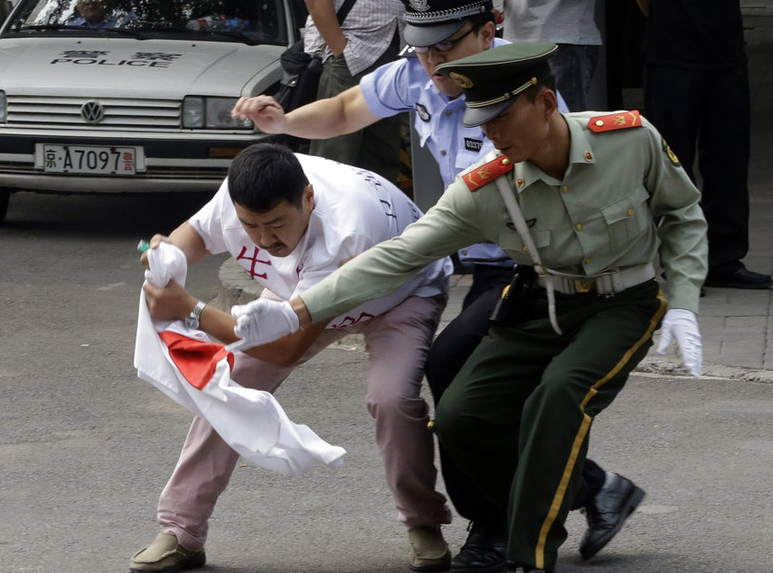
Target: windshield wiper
(18,28)
(55,27)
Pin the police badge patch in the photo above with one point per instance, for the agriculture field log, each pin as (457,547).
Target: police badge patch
(423,113)
(471,144)
(420,5)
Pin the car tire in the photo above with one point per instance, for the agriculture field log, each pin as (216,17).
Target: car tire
(5,195)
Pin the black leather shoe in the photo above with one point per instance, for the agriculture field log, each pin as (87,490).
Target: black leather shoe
(483,552)
(608,511)
(742,278)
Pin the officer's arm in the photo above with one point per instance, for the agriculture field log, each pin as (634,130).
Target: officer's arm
(345,113)
(675,201)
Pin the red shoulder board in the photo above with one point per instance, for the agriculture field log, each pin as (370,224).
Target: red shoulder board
(487,172)
(613,121)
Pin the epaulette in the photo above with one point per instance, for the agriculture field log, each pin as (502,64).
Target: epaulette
(487,172)
(613,121)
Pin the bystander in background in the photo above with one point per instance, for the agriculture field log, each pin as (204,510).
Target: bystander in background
(696,92)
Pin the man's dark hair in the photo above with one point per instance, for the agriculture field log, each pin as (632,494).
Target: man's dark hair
(264,175)
(479,20)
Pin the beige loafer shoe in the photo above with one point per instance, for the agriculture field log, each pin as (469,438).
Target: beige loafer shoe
(166,555)
(429,551)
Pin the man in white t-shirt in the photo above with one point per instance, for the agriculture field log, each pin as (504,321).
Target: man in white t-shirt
(290,220)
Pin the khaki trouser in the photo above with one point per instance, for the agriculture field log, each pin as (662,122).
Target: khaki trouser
(397,345)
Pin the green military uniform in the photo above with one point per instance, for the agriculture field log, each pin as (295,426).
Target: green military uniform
(517,416)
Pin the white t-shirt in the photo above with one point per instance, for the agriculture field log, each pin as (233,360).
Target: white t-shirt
(353,210)
(557,21)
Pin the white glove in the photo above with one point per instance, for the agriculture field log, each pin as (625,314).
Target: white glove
(682,325)
(262,321)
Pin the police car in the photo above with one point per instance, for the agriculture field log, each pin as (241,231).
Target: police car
(133,96)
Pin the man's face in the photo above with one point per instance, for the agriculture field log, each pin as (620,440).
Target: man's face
(469,44)
(520,132)
(93,10)
(279,230)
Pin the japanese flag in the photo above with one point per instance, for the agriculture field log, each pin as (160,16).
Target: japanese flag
(196,373)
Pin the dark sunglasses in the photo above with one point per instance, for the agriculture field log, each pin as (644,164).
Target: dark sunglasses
(444,46)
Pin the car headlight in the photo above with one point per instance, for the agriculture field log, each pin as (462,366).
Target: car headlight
(3,112)
(211,113)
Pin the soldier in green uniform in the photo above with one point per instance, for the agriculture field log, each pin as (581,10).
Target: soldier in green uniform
(588,201)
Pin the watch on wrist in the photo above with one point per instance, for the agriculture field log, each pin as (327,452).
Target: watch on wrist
(192,320)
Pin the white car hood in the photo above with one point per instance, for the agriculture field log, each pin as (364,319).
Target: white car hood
(147,68)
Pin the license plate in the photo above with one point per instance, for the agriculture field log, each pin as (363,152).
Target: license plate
(88,159)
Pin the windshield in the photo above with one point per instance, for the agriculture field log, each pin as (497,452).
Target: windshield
(250,21)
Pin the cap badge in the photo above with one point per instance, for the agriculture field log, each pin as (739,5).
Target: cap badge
(420,5)
(462,80)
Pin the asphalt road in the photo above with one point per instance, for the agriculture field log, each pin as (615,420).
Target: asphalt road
(85,446)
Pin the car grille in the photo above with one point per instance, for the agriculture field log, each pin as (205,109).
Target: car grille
(119,113)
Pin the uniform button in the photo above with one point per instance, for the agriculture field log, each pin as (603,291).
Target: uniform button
(505,161)
(448,112)
(525,249)
(443,152)
(599,122)
(578,226)
(587,261)
(519,182)
(565,189)
(588,156)
(630,212)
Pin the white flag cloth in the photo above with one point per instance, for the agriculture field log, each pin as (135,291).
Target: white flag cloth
(196,373)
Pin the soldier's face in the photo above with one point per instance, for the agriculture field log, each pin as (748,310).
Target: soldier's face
(280,229)
(468,45)
(521,131)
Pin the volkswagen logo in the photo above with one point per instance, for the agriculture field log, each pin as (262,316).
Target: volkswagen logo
(92,111)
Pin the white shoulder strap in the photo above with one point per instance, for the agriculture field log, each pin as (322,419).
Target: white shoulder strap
(523,230)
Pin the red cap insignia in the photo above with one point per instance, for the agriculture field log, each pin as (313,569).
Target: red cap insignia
(613,121)
(487,172)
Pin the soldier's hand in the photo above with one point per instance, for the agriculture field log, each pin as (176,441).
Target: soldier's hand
(262,321)
(681,324)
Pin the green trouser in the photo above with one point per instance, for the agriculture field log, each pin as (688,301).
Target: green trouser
(517,416)
(377,147)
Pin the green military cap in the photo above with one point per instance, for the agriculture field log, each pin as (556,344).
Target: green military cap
(493,79)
